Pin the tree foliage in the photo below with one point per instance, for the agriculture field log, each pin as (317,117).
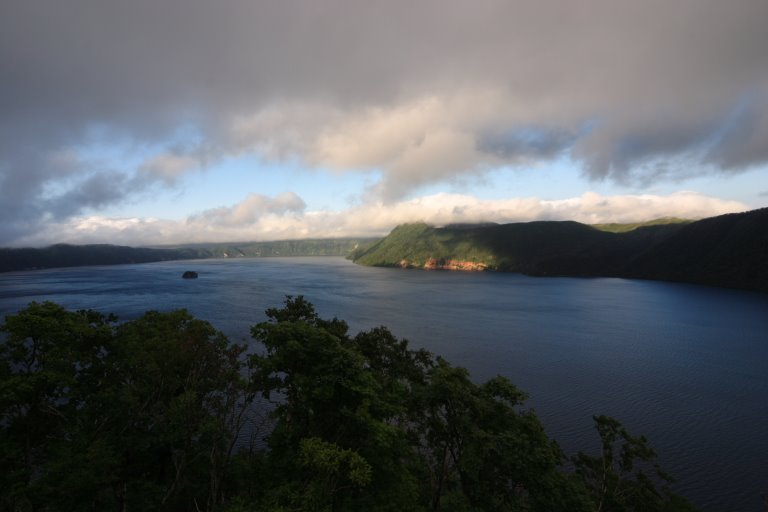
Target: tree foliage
(153,414)
(142,415)
(624,476)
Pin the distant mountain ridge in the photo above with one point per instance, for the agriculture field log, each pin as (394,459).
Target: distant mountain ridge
(728,250)
(65,255)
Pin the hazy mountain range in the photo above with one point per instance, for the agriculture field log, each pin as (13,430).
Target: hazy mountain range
(65,255)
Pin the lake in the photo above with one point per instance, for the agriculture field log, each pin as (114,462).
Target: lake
(684,365)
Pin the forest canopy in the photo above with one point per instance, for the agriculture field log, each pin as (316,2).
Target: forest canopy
(165,413)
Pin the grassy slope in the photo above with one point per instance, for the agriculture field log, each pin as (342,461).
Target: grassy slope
(623,228)
(729,250)
(416,243)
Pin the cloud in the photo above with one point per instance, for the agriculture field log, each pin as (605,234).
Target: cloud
(743,138)
(424,93)
(167,167)
(284,217)
(247,212)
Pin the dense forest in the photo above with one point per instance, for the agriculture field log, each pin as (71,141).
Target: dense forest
(728,250)
(65,255)
(164,413)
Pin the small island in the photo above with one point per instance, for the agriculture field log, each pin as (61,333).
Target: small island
(189,274)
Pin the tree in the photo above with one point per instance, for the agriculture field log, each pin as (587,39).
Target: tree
(147,414)
(180,403)
(94,414)
(484,451)
(625,476)
(432,438)
(45,352)
(327,396)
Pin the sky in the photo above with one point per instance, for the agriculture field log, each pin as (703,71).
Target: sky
(149,122)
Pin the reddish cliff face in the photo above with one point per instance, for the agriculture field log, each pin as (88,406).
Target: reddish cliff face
(469,266)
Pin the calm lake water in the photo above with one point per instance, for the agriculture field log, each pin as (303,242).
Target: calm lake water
(686,366)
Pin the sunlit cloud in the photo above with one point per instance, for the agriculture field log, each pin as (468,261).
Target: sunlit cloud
(248,211)
(419,95)
(284,217)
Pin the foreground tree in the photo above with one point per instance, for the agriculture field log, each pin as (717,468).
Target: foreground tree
(146,415)
(625,477)
(329,400)
(484,451)
(429,436)
(95,415)
(46,356)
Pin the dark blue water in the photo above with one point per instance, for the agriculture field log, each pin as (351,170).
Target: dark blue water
(686,366)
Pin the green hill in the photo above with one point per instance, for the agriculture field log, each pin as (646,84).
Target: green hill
(729,250)
(64,255)
(614,227)
(302,247)
(535,248)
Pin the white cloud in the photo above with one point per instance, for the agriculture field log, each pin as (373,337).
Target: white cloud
(423,92)
(283,217)
(433,138)
(247,212)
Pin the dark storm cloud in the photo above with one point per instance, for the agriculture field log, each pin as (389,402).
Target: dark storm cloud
(742,140)
(531,142)
(656,81)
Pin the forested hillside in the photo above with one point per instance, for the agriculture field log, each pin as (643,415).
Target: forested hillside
(64,255)
(729,250)
(304,247)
